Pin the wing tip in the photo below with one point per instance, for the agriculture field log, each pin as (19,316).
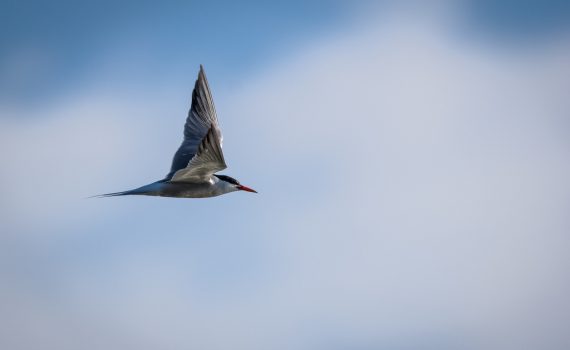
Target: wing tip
(201,80)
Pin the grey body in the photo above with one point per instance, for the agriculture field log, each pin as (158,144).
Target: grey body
(165,188)
(198,157)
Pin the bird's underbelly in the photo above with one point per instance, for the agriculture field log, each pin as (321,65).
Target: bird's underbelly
(187,190)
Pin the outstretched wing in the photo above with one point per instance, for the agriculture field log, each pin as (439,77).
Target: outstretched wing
(208,160)
(201,119)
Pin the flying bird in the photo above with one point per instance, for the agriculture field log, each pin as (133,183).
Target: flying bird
(199,157)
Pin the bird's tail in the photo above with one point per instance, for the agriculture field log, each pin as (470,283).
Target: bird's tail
(114,194)
(149,190)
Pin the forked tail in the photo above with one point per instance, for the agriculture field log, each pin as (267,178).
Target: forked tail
(114,194)
(150,190)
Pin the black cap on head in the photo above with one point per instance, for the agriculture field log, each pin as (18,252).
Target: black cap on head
(227,179)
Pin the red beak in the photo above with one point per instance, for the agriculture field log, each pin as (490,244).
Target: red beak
(244,188)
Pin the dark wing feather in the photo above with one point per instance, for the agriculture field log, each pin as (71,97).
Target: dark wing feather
(208,160)
(201,118)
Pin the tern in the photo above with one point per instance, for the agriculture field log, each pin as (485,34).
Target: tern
(199,157)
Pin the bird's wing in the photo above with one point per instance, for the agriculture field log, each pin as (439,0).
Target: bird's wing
(200,121)
(208,160)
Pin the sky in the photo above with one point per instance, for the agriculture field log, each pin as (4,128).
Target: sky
(410,158)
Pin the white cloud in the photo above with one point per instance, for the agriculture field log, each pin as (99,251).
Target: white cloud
(443,169)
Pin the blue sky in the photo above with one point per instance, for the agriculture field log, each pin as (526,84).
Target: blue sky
(76,40)
(411,160)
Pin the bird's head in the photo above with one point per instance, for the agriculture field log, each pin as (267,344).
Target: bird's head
(234,183)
